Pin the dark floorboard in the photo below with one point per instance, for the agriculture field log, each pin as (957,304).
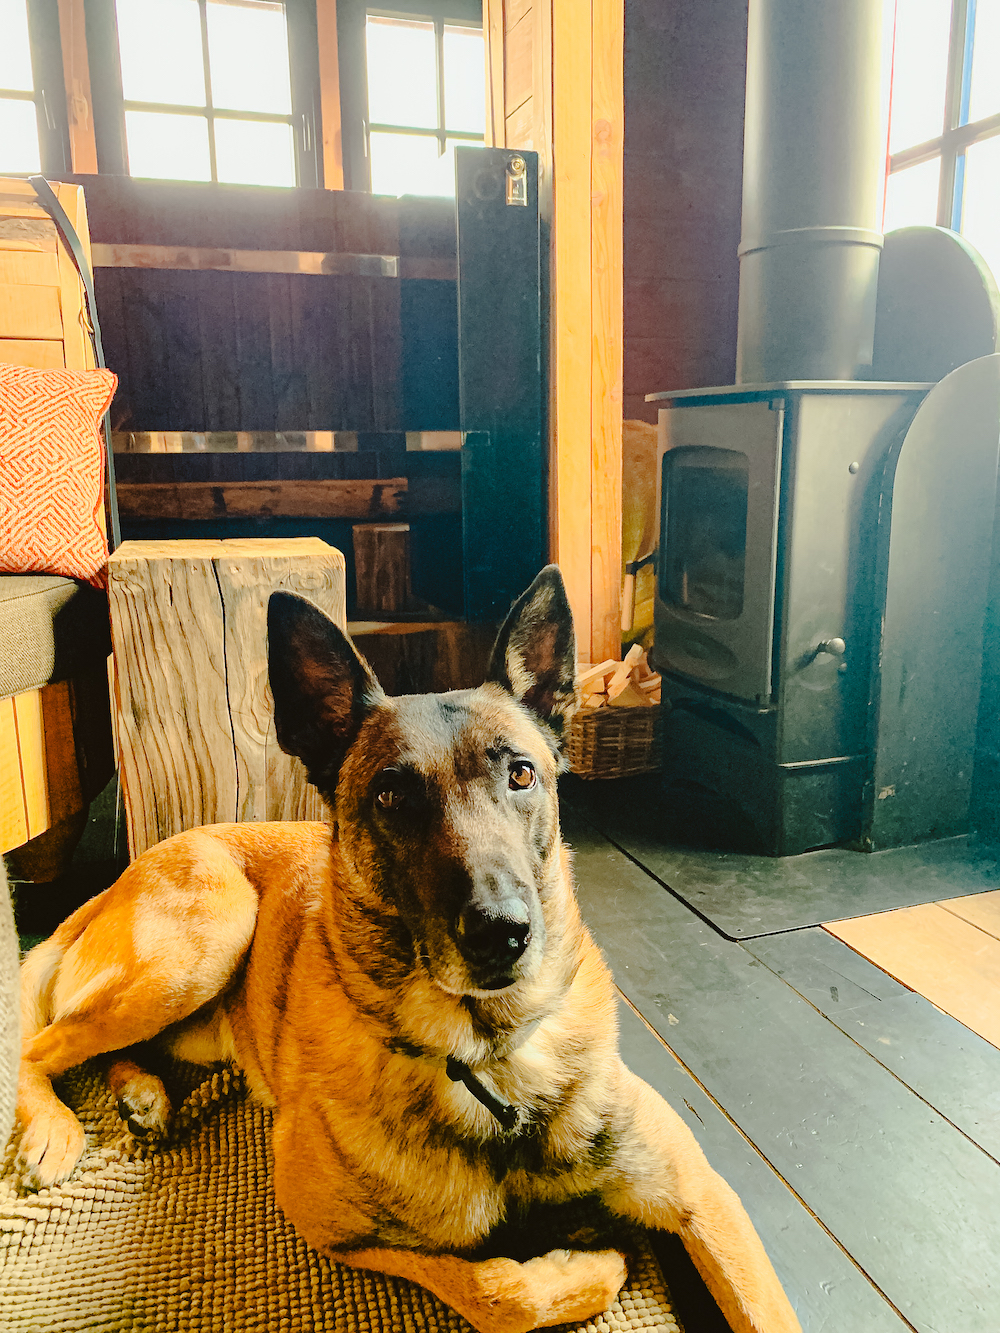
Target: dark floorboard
(745,895)
(950,1067)
(825,1287)
(909,1197)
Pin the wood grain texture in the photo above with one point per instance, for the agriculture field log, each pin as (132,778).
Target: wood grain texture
(195,724)
(571,501)
(269,783)
(560,85)
(606,184)
(79,349)
(934,952)
(174,732)
(29,311)
(979,909)
(382,566)
(38,353)
(28,721)
(13,816)
(329,94)
(39,774)
(76,70)
(329,498)
(493,34)
(518,70)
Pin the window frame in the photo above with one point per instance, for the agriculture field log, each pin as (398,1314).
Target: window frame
(110,103)
(958,132)
(49,91)
(353,62)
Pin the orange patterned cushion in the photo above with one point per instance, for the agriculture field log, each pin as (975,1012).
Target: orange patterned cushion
(52,471)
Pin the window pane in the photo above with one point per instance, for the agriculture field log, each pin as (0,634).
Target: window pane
(920,71)
(18,138)
(251,152)
(985,97)
(911,196)
(168,147)
(981,201)
(409,164)
(404,164)
(402,72)
(15,53)
(248,56)
(464,79)
(160,44)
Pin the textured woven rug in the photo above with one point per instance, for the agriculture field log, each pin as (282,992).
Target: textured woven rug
(187,1236)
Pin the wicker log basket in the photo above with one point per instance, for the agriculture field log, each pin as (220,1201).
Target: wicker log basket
(611,737)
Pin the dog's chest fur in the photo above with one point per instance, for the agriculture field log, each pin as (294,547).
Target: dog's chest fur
(361,1072)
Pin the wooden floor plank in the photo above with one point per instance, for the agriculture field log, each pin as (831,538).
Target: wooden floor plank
(909,1197)
(979,909)
(952,1068)
(953,964)
(825,1287)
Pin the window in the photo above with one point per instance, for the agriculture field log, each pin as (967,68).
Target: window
(34,134)
(944,136)
(205,90)
(413,86)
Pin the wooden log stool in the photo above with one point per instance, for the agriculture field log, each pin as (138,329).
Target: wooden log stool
(195,725)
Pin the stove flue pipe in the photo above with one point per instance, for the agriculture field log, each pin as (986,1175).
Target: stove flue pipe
(814,158)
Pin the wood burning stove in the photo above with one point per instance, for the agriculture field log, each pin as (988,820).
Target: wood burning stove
(765,596)
(774,578)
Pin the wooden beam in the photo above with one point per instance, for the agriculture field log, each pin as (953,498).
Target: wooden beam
(76,71)
(607,326)
(329,94)
(262,499)
(574,120)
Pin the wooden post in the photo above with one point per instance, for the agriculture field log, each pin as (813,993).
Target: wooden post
(556,71)
(382,566)
(195,725)
(329,94)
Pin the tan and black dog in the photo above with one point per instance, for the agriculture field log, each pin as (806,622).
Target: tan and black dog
(410,987)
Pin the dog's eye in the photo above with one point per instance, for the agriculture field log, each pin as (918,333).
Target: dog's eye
(389,798)
(522,776)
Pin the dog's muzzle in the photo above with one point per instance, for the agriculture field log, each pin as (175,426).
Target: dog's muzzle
(492,937)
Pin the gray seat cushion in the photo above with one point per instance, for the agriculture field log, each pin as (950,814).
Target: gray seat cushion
(51,629)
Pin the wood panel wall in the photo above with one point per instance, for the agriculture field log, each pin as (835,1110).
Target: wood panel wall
(556,86)
(215,350)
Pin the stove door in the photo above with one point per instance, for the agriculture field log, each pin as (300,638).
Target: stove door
(720,466)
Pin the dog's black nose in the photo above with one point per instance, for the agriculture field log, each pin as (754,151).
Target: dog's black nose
(494,935)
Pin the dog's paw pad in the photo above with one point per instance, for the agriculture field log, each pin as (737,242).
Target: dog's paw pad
(144,1106)
(50,1148)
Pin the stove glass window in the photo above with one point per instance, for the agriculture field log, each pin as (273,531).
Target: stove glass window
(703,524)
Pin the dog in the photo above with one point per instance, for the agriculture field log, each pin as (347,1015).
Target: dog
(410,987)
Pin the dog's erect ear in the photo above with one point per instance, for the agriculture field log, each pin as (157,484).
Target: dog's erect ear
(322,689)
(534,656)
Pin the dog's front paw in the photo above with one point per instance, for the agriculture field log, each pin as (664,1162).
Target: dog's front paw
(51,1146)
(578,1283)
(143,1104)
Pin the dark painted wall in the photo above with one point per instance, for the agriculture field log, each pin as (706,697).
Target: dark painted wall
(685,69)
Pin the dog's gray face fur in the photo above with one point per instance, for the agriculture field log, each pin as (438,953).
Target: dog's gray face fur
(446,803)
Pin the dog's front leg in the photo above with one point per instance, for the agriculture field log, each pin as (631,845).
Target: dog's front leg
(318,1194)
(502,1295)
(662,1179)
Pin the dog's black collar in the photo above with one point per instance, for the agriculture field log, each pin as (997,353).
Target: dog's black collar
(505,1112)
(460,1073)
